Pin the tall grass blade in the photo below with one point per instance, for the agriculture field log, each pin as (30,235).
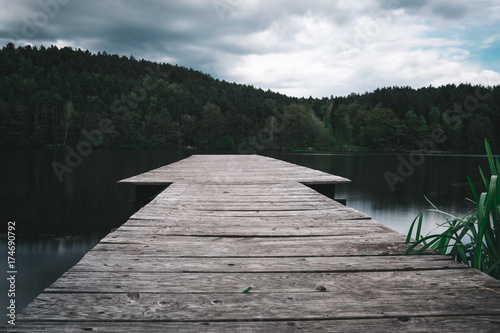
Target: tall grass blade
(491,161)
(483,177)
(424,243)
(473,239)
(474,193)
(410,232)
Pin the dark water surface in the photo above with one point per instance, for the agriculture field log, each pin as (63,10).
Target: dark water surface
(58,222)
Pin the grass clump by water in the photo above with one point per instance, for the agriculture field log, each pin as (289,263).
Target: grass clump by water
(473,239)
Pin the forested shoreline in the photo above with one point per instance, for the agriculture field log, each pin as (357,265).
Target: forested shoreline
(53,97)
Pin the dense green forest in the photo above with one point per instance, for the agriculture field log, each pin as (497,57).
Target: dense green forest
(61,97)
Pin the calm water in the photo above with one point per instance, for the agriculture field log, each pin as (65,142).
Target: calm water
(58,222)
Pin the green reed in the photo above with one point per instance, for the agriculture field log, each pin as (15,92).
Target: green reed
(473,239)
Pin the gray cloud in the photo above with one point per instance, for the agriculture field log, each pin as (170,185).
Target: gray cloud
(148,28)
(444,9)
(275,44)
(451,9)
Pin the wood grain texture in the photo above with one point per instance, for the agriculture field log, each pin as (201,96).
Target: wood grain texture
(233,169)
(276,282)
(234,230)
(101,261)
(189,246)
(457,324)
(228,222)
(338,304)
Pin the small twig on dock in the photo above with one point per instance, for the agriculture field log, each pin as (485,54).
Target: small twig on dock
(481,287)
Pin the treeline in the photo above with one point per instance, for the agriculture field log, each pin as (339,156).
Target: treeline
(56,97)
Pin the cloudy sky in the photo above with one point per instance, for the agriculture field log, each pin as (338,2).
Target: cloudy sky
(301,48)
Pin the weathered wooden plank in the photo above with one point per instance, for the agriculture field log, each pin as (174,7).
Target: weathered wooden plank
(239,169)
(245,199)
(230,192)
(350,224)
(271,207)
(101,261)
(457,324)
(334,222)
(183,214)
(357,303)
(441,281)
(377,244)
(268,185)
(234,230)
(237,201)
(293,189)
(240,193)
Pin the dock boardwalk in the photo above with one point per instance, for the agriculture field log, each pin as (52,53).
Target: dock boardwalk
(228,222)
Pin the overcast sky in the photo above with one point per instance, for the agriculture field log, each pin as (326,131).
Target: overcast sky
(299,48)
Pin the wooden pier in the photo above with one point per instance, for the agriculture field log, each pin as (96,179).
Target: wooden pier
(228,222)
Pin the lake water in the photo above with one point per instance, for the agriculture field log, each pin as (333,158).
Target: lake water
(58,222)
